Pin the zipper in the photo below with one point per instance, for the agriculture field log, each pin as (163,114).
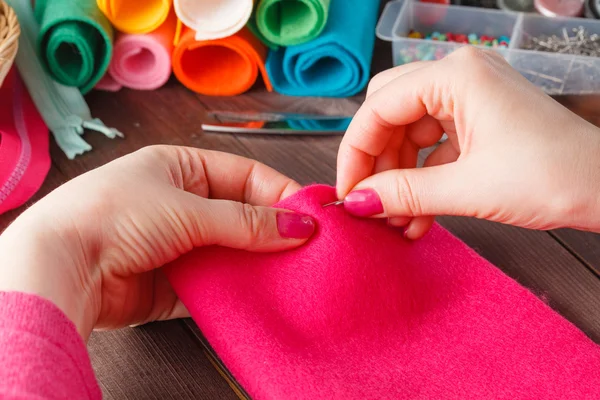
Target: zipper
(21,129)
(63,108)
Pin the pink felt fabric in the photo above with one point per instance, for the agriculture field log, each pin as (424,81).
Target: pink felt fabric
(361,313)
(108,84)
(24,141)
(142,62)
(41,354)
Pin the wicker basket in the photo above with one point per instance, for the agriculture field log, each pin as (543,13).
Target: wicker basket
(9,35)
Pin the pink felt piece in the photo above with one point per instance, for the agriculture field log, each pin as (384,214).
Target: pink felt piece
(361,313)
(143,62)
(24,141)
(108,84)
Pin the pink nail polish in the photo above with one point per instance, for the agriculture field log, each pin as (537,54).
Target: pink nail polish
(363,203)
(295,226)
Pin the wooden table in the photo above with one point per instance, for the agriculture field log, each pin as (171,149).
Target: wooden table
(167,360)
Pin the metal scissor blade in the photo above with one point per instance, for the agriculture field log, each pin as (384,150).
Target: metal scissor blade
(319,127)
(269,130)
(228,116)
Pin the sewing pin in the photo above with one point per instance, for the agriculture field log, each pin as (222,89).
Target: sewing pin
(335,203)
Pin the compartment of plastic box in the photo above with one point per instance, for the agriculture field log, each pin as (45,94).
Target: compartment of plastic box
(555,73)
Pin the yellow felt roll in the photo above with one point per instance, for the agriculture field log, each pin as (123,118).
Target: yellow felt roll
(136,17)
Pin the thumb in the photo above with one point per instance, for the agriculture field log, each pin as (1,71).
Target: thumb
(438,190)
(243,226)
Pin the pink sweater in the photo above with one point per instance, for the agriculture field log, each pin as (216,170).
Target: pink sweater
(41,354)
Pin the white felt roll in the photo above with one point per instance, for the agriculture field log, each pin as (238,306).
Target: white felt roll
(214,19)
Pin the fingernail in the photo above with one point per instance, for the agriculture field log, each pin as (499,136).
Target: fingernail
(295,226)
(407,235)
(363,203)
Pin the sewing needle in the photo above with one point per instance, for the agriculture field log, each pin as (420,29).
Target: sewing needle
(335,203)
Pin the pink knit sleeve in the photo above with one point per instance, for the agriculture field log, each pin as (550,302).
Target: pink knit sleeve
(41,354)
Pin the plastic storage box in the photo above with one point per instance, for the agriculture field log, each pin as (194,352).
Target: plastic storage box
(553,72)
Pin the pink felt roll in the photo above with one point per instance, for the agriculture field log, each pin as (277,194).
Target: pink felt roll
(143,62)
(361,313)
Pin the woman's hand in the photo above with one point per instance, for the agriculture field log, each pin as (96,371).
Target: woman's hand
(514,155)
(93,246)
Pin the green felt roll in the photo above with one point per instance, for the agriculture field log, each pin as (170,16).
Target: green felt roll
(75,41)
(253,27)
(291,22)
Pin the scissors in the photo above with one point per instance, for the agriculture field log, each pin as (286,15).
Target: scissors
(276,123)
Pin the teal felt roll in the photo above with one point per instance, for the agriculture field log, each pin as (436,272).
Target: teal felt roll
(336,64)
(75,41)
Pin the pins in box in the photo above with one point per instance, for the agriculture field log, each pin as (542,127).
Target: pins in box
(568,63)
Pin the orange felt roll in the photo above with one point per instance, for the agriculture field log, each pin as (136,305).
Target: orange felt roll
(223,67)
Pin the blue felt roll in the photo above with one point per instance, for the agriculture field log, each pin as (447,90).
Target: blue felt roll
(336,64)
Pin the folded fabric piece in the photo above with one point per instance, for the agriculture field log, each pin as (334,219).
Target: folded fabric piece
(143,62)
(214,19)
(75,41)
(24,153)
(136,16)
(289,23)
(63,108)
(336,64)
(361,313)
(224,67)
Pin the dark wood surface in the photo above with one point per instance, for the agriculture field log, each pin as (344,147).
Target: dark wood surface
(167,360)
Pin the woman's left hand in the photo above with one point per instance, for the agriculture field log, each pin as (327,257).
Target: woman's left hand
(94,245)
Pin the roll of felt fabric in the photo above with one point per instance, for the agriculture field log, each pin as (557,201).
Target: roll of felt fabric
(358,312)
(143,62)
(289,23)
(337,63)
(75,41)
(136,16)
(214,19)
(223,67)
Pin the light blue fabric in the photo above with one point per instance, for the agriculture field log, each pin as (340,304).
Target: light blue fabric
(341,124)
(338,63)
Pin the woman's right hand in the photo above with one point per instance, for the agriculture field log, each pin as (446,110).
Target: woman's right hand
(514,155)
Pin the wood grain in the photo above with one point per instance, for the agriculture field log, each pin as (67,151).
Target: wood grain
(583,245)
(157,361)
